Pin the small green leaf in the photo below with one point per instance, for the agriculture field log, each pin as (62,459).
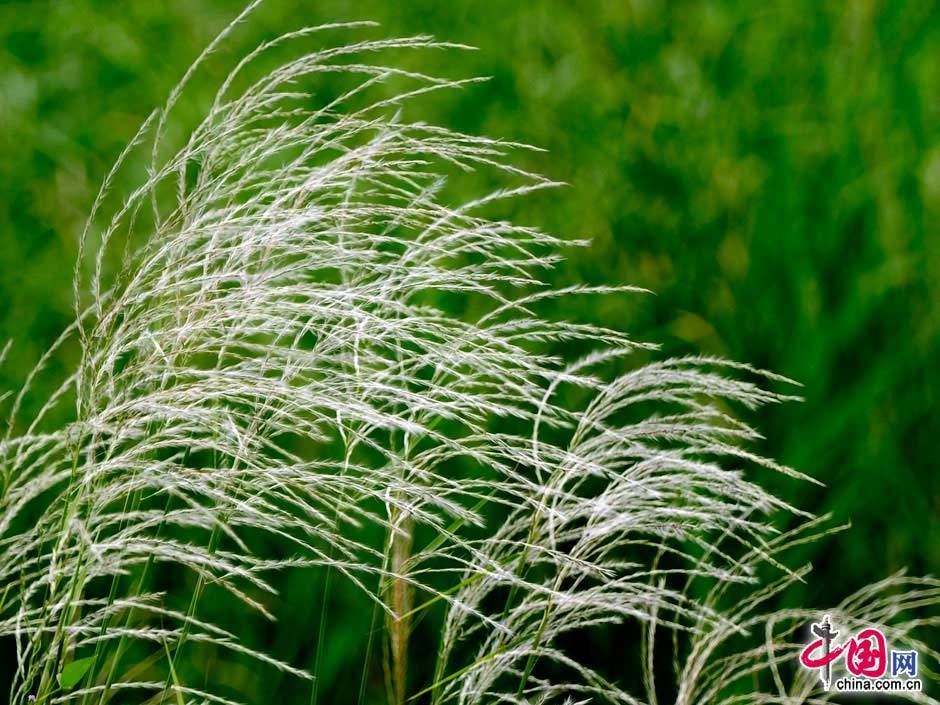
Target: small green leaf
(74,672)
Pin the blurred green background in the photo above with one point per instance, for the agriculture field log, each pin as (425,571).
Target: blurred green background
(770,170)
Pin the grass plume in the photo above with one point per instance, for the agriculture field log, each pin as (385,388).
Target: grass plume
(271,361)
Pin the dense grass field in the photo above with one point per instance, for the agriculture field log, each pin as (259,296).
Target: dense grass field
(771,172)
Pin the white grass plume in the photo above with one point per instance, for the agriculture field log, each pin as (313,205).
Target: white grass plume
(272,360)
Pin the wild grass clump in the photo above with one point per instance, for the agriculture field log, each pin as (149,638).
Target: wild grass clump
(272,364)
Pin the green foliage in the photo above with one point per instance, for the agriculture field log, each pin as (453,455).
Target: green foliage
(73,672)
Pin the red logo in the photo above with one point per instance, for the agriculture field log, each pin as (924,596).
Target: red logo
(866,653)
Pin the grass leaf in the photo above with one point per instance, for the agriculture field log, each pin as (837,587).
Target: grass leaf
(73,672)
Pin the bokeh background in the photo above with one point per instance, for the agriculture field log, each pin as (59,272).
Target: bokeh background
(770,170)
